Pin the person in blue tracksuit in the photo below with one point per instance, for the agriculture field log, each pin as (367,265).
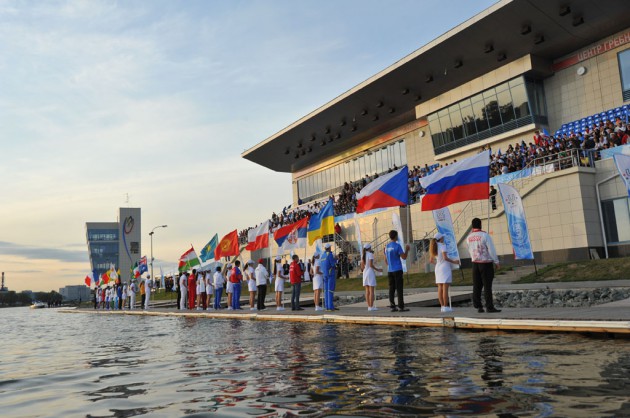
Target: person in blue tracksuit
(328,263)
(236,279)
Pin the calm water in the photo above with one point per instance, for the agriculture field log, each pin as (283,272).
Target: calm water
(59,365)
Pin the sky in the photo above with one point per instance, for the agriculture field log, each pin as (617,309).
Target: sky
(106,104)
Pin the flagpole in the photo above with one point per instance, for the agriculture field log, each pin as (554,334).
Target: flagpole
(408,235)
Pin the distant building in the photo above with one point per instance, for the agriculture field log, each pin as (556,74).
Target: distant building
(117,243)
(75,292)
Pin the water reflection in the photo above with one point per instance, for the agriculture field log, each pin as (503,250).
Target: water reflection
(202,367)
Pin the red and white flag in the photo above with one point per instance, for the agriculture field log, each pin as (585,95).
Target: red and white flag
(258,238)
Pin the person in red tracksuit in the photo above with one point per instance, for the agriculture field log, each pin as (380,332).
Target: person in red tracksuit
(295,275)
(192,289)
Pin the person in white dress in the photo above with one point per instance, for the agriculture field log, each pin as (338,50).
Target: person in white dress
(201,292)
(369,275)
(209,288)
(183,286)
(248,272)
(280,277)
(124,296)
(133,288)
(443,271)
(318,282)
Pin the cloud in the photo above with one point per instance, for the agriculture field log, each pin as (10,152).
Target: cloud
(41,253)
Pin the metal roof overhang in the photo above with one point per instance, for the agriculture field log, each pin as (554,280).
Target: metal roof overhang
(388,99)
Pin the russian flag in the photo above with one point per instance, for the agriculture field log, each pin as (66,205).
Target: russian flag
(258,237)
(464,180)
(292,236)
(385,192)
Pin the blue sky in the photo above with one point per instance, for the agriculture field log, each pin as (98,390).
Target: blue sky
(157,99)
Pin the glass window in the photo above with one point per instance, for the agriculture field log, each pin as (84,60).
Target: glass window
(479,113)
(624,69)
(403,154)
(468,119)
(506,108)
(447,129)
(519,100)
(456,121)
(492,111)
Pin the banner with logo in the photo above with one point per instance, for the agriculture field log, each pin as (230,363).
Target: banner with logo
(401,240)
(517,224)
(623,165)
(444,224)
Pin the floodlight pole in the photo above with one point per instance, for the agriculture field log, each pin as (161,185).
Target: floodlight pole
(151,235)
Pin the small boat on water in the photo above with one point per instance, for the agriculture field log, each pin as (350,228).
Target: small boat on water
(38,305)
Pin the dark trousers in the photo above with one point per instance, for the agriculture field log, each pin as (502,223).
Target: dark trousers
(295,295)
(204,301)
(142,302)
(262,294)
(179,296)
(483,275)
(396,286)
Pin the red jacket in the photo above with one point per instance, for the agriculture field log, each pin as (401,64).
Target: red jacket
(236,276)
(295,273)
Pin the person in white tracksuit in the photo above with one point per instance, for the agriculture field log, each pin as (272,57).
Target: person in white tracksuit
(183,286)
(132,295)
(147,288)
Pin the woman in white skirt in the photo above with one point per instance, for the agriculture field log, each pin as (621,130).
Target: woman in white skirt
(248,272)
(318,281)
(443,272)
(369,275)
(278,273)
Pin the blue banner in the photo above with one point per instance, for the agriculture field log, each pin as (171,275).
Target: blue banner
(517,224)
(610,152)
(444,224)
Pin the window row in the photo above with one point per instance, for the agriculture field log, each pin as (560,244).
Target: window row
(488,109)
(327,181)
(103,235)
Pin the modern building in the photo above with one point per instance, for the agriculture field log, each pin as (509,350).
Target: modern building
(115,243)
(78,293)
(494,80)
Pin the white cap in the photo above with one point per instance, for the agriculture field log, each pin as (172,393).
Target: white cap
(327,245)
(367,247)
(278,258)
(251,262)
(438,236)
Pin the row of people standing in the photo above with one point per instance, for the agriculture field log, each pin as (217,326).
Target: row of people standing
(122,296)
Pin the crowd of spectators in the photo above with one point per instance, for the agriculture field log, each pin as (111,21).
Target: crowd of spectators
(516,157)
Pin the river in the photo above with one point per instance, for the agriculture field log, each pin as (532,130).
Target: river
(56,364)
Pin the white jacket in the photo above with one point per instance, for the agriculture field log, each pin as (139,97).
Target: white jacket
(481,248)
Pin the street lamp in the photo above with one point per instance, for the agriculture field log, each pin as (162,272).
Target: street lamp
(151,235)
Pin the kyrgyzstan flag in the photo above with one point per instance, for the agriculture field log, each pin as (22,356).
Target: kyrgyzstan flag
(228,246)
(258,238)
(105,277)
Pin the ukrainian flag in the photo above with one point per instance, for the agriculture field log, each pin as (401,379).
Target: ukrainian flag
(321,224)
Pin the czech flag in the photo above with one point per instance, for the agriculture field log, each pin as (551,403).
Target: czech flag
(258,238)
(384,192)
(464,180)
(228,246)
(292,236)
(321,224)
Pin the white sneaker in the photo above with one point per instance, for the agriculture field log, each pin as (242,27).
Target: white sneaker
(319,308)
(198,308)
(374,308)
(442,308)
(448,309)
(252,309)
(279,308)
(230,308)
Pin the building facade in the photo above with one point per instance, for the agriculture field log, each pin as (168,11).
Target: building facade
(77,293)
(491,82)
(115,243)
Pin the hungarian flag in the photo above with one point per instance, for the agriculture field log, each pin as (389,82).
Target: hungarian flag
(228,246)
(258,238)
(88,279)
(188,260)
